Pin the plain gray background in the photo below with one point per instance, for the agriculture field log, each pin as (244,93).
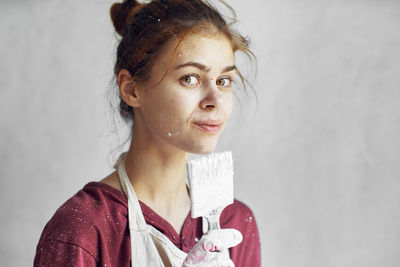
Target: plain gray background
(317,159)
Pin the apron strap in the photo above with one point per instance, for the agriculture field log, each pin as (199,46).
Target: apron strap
(134,209)
(149,247)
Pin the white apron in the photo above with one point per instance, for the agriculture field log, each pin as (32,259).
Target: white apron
(149,247)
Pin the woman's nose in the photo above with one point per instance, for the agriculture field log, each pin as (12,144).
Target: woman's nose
(212,99)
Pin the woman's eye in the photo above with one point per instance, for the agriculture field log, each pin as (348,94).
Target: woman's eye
(225,82)
(190,80)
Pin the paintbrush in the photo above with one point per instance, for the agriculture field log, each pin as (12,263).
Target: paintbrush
(211,186)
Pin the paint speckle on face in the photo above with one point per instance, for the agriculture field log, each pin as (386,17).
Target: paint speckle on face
(172,134)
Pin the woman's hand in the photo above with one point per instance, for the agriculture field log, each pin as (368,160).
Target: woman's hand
(208,252)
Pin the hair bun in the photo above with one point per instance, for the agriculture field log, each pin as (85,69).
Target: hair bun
(121,13)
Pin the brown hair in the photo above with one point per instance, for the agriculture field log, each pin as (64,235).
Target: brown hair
(146,28)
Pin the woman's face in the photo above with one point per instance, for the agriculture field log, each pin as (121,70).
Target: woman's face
(190,106)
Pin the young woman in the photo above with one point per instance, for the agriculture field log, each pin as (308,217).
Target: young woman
(175,66)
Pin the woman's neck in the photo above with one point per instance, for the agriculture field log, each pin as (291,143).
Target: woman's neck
(158,176)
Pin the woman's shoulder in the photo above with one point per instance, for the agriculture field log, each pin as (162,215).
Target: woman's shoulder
(97,208)
(93,200)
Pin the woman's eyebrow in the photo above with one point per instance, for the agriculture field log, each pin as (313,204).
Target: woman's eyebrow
(203,67)
(229,68)
(193,64)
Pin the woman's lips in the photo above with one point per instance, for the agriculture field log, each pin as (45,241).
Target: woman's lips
(210,127)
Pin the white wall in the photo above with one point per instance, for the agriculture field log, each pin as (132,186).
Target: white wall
(317,161)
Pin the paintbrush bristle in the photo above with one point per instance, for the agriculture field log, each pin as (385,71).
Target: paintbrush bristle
(210,182)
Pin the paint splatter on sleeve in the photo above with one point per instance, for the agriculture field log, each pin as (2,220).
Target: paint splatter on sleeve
(55,253)
(239,216)
(89,229)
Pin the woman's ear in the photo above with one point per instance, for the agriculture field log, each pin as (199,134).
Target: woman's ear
(128,90)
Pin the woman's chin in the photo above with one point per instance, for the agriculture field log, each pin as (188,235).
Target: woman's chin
(196,146)
(206,149)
